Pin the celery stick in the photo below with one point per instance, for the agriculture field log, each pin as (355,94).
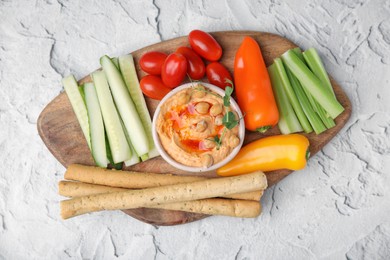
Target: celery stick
(298,52)
(312,84)
(288,121)
(292,97)
(312,116)
(317,67)
(328,121)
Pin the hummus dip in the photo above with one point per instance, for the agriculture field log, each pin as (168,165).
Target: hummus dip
(190,122)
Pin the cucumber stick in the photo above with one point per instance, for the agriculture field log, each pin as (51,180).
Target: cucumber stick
(98,143)
(129,74)
(116,137)
(78,105)
(115,61)
(126,107)
(134,156)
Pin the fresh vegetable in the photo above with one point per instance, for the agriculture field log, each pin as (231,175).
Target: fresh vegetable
(78,105)
(118,145)
(129,74)
(269,154)
(312,84)
(288,121)
(253,87)
(205,45)
(153,87)
(98,142)
(218,75)
(208,188)
(119,165)
(314,119)
(174,70)
(137,180)
(115,61)
(195,65)
(292,98)
(317,67)
(134,159)
(215,206)
(325,118)
(126,107)
(152,62)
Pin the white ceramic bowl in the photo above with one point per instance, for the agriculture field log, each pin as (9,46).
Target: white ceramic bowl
(169,159)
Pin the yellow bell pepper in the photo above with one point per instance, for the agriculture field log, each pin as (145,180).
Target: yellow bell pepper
(269,154)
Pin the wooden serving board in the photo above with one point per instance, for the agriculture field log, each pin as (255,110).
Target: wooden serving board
(60,130)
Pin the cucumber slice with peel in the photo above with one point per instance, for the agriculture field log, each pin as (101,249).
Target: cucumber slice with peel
(116,137)
(129,74)
(78,105)
(126,107)
(134,156)
(98,143)
(115,61)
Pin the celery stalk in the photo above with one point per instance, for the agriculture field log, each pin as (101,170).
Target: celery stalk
(292,97)
(288,121)
(298,52)
(312,84)
(308,109)
(328,121)
(315,64)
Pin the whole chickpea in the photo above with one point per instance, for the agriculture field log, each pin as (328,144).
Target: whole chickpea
(233,141)
(199,91)
(202,107)
(218,120)
(216,109)
(207,160)
(183,98)
(201,126)
(208,144)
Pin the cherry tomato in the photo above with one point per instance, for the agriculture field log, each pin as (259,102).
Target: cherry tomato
(153,87)
(217,75)
(174,70)
(195,65)
(151,62)
(205,45)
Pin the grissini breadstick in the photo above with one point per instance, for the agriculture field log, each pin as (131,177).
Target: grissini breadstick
(78,189)
(123,179)
(225,207)
(208,188)
(136,180)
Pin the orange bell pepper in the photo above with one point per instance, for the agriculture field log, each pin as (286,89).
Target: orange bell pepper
(269,154)
(253,88)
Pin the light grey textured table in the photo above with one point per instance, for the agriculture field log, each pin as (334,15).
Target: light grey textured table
(337,208)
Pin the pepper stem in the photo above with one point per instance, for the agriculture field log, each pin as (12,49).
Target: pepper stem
(263,129)
(307,154)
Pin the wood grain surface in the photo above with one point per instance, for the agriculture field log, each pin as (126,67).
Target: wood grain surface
(60,131)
